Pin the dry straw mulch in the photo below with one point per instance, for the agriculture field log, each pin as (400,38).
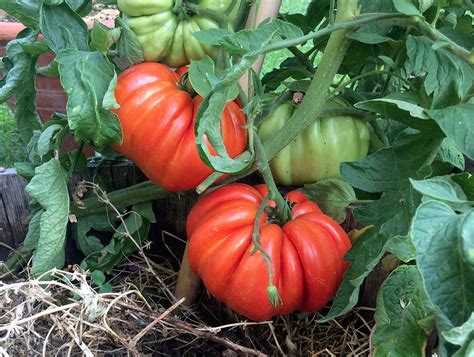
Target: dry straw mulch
(62,314)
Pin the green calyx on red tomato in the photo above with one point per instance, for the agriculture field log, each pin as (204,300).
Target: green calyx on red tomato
(157,118)
(165,33)
(317,152)
(306,252)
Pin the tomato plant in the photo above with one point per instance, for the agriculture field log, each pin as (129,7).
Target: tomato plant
(157,119)
(406,68)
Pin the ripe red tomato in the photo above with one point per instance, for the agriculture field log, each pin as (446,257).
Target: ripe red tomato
(306,252)
(157,119)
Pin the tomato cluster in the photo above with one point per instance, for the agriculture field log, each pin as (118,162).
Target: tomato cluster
(157,113)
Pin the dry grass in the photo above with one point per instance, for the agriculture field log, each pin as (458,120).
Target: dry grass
(62,314)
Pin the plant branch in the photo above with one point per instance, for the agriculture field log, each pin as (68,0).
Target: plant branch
(348,24)
(432,33)
(368,74)
(272,290)
(143,192)
(316,96)
(303,58)
(282,208)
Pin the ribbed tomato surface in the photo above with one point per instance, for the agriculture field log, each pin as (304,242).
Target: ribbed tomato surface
(157,119)
(306,252)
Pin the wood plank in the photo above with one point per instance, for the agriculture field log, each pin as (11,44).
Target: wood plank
(14,201)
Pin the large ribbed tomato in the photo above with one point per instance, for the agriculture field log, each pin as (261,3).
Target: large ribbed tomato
(165,32)
(306,252)
(157,119)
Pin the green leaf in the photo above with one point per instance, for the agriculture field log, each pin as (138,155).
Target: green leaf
(448,78)
(401,305)
(86,241)
(62,28)
(364,255)
(392,212)
(462,336)
(203,75)
(441,189)
(26,11)
(34,229)
(207,128)
(88,79)
(407,7)
(50,70)
(128,46)
(275,78)
(286,30)
(211,36)
(407,113)
(70,157)
(49,189)
(125,240)
(249,41)
(375,30)
(103,37)
(456,122)
(445,258)
(391,216)
(98,277)
(105,288)
(332,195)
(383,170)
(210,111)
(19,80)
(402,247)
(448,152)
(82,7)
(19,65)
(46,141)
(466,181)
(25,113)
(25,169)
(145,210)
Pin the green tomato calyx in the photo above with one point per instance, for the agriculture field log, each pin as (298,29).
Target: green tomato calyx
(273,295)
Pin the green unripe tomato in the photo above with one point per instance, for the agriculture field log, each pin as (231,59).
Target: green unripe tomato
(166,36)
(317,152)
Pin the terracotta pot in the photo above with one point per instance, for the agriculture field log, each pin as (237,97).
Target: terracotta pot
(50,96)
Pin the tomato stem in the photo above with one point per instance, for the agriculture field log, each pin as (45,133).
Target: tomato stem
(185,84)
(317,94)
(282,208)
(178,6)
(143,192)
(272,290)
(221,19)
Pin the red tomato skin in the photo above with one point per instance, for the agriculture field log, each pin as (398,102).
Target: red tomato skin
(157,119)
(307,252)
